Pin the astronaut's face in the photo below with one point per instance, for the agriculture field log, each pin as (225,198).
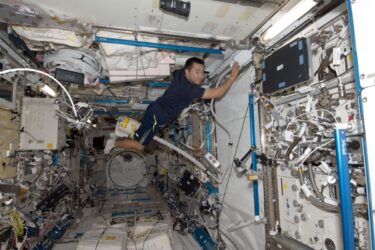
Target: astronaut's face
(195,74)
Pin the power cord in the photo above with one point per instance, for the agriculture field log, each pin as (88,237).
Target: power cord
(234,156)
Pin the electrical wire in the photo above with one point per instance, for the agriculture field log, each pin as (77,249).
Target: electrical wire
(213,111)
(314,150)
(110,91)
(73,120)
(140,56)
(235,152)
(87,62)
(229,238)
(100,237)
(308,114)
(45,74)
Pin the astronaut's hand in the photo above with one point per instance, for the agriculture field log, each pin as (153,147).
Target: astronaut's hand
(235,71)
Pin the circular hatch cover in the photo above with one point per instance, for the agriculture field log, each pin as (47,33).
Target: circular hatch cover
(126,169)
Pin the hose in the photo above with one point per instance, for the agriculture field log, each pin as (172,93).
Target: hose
(312,178)
(213,112)
(291,147)
(317,157)
(316,202)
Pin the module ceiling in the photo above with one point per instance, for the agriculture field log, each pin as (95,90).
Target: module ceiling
(208,19)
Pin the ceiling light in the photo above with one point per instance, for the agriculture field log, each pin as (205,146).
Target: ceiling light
(292,15)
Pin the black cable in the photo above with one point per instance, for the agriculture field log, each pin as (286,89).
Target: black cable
(100,237)
(230,239)
(110,91)
(234,155)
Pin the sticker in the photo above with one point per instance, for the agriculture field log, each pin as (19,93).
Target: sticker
(289,136)
(125,122)
(281,85)
(280,67)
(301,60)
(222,10)
(110,237)
(300,45)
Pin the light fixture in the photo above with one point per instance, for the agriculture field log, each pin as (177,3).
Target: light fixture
(177,7)
(300,9)
(48,90)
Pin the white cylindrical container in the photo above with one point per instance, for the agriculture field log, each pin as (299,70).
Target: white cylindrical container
(126,127)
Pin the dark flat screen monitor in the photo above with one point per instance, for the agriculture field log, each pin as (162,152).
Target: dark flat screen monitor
(287,67)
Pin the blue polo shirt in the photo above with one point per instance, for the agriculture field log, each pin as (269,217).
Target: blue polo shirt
(166,108)
(180,94)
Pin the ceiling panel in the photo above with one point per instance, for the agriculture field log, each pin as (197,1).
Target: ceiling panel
(208,18)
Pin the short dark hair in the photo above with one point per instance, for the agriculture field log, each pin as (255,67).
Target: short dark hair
(189,62)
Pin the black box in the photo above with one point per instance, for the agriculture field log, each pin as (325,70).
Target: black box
(189,183)
(286,67)
(69,76)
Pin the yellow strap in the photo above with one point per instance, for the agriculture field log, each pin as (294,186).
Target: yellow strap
(17,222)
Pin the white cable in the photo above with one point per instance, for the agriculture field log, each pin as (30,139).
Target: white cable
(309,114)
(45,74)
(86,62)
(329,112)
(213,112)
(73,120)
(191,147)
(317,148)
(186,155)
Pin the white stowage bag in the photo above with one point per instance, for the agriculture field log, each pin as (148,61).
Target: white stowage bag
(126,127)
(104,237)
(46,38)
(155,241)
(150,236)
(110,49)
